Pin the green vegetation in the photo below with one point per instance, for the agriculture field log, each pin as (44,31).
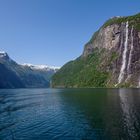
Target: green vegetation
(124,85)
(137,26)
(83,72)
(96,68)
(92,38)
(133,20)
(114,56)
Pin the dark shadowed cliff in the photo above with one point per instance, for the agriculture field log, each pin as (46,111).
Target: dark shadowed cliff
(14,75)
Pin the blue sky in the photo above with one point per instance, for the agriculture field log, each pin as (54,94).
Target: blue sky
(54,32)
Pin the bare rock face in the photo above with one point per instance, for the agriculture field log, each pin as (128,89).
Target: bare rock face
(123,41)
(110,59)
(105,38)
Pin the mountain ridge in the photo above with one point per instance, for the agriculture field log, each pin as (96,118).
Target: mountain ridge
(110,59)
(41,67)
(14,75)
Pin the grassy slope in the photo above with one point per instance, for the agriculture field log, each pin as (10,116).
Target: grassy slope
(133,20)
(83,72)
(86,72)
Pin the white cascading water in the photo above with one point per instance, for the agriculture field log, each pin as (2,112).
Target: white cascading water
(122,71)
(131,50)
(138,84)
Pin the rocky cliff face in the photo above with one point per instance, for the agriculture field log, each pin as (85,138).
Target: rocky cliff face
(117,47)
(124,40)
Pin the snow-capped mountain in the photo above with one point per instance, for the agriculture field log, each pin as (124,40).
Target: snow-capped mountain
(2,53)
(4,56)
(41,67)
(14,75)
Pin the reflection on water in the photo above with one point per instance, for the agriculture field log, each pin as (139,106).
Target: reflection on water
(131,124)
(70,114)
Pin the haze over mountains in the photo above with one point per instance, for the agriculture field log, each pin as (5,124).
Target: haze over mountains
(14,75)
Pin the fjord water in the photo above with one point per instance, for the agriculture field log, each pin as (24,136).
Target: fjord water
(69,114)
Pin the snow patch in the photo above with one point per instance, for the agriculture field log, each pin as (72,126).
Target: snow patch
(41,67)
(2,54)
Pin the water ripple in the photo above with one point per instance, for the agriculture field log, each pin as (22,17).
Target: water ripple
(70,114)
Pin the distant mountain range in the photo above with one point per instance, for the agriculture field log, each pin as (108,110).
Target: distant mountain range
(14,75)
(111,58)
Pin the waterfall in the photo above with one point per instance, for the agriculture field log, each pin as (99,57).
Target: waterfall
(138,86)
(123,67)
(131,50)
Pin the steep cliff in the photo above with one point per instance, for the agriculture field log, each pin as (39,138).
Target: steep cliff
(110,59)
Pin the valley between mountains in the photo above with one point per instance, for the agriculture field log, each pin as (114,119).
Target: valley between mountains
(14,75)
(110,59)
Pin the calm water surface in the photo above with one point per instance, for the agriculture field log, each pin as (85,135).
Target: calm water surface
(70,114)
